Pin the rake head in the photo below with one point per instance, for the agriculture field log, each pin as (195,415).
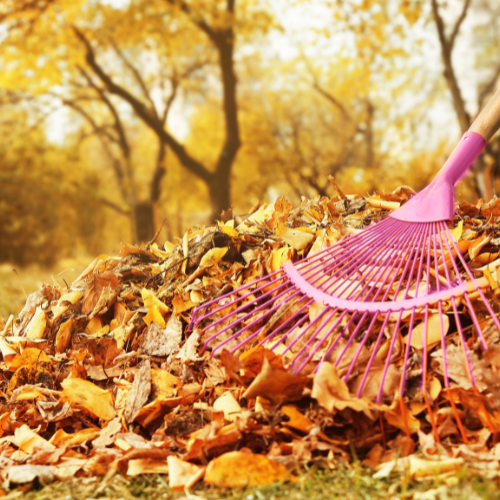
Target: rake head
(350,304)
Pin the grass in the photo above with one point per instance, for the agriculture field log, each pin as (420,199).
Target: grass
(353,483)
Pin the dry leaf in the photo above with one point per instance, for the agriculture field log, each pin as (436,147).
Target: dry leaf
(434,331)
(332,393)
(276,385)
(183,474)
(139,393)
(158,341)
(227,404)
(239,470)
(213,256)
(97,401)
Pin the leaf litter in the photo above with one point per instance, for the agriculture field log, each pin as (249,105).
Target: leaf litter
(106,377)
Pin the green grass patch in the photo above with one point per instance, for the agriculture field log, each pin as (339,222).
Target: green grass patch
(345,483)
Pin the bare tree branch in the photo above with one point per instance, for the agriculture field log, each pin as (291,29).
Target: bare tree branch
(446,53)
(150,119)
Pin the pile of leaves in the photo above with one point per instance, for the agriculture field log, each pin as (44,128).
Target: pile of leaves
(106,376)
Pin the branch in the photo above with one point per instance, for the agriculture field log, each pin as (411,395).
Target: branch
(148,118)
(224,43)
(122,137)
(459,22)
(136,75)
(329,97)
(196,19)
(449,72)
(114,206)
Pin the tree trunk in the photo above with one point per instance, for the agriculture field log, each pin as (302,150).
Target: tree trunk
(145,221)
(220,194)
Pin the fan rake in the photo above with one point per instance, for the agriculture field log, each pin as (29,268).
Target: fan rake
(349,303)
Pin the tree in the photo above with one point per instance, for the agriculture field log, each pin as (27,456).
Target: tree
(210,25)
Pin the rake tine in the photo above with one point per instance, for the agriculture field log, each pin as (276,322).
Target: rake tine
(369,236)
(457,316)
(389,356)
(361,344)
(372,357)
(311,340)
(341,335)
(407,353)
(247,304)
(420,235)
(342,272)
(481,294)
(248,315)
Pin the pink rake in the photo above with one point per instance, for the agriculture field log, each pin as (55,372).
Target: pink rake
(395,273)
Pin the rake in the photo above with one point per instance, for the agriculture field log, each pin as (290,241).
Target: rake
(348,302)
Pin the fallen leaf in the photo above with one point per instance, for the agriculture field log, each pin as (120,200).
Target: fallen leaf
(239,470)
(139,393)
(108,434)
(36,327)
(21,474)
(298,240)
(146,466)
(183,474)
(332,393)
(213,256)
(434,331)
(97,401)
(158,341)
(276,385)
(28,441)
(227,404)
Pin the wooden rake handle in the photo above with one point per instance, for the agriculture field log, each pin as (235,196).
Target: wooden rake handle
(488,120)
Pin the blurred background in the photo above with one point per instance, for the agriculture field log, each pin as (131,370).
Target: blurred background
(118,115)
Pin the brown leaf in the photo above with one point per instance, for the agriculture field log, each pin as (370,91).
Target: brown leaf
(332,393)
(139,393)
(157,341)
(276,385)
(97,283)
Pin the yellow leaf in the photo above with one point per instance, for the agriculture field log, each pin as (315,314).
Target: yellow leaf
(377,203)
(36,327)
(28,441)
(183,474)
(97,401)
(154,316)
(163,384)
(93,326)
(146,466)
(8,352)
(457,232)
(433,331)
(30,356)
(121,335)
(230,231)
(297,239)
(63,336)
(150,300)
(213,256)
(477,246)
(332,393)
(238,470)
(279,257)
(229,405)
(296,419)
(159,253)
